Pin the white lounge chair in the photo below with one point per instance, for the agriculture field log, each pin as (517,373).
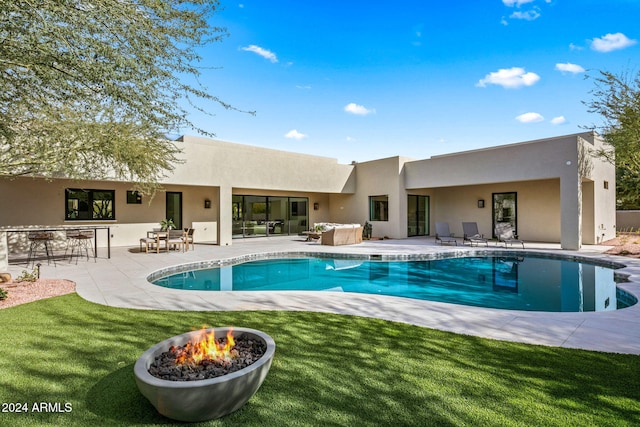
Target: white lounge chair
(505,234)
(443,234)
(471,234)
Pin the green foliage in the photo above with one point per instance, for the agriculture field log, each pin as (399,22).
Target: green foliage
(28,277)
(89,89)
(167,224)
(328,370)
(616,98)
(3,294)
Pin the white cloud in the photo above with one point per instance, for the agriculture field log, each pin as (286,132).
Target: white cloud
(518,3)
(575,47)
(509,78)
(558,120)
(294,134)
(610,42)
(570,68)
(267,54)
(360,110)
(529,15)
(529,118)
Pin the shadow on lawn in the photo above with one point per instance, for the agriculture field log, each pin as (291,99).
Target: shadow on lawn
(116,398)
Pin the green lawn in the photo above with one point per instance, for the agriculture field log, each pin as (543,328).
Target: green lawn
(329,370)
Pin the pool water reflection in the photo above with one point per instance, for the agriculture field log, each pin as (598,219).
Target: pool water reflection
(516,283)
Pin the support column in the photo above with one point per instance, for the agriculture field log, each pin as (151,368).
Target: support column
(225,216)
(570,212)
(4,252)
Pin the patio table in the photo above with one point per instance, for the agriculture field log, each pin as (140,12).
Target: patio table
(159,236)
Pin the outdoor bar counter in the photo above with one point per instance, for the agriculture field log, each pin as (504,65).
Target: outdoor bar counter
(7,230)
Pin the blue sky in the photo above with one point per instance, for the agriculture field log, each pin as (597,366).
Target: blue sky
(360,80)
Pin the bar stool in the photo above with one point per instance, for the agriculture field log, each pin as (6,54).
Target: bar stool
(80,241)
(40,240)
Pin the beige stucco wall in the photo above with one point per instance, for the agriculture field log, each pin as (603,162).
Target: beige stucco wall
(217,163)
(559,185)
(628,220)
(227,166)
(383,177)
(560,158)
(599,193)
(538,208)
(41,202)
(525,161)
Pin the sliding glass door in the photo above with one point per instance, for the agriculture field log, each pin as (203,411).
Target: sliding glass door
(255,216)
(260,216)
(298,214)
(417,215)
(278,216)
(237,206)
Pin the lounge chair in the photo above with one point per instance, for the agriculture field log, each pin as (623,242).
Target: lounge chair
(443,234)
(504,233)
(471,234)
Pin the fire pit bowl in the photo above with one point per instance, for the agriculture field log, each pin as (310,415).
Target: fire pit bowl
(206,399)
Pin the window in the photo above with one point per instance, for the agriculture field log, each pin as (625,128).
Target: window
(606,185)
(134,198)
(379,208)
(83,204)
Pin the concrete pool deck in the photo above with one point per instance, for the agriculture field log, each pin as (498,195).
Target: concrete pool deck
(121,281)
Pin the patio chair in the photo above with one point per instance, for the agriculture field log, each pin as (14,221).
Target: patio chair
(505,234)
(471,234)
(189,238)
(176,239)
(443,234)
(150,242)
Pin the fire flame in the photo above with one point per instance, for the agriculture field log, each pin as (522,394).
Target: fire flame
(207,347)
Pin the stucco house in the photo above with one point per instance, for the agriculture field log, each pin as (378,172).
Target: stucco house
(551,190)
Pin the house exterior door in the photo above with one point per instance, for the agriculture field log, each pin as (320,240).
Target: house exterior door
(505,209)
(417,215)
(174,208)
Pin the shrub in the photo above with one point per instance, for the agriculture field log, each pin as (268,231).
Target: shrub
(28,277)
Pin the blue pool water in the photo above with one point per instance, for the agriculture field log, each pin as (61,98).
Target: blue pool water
(516,283)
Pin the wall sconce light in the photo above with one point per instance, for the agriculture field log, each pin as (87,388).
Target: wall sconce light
(316,206)
(481,203)
(207,204)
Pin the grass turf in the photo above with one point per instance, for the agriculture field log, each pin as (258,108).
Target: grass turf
(329,370)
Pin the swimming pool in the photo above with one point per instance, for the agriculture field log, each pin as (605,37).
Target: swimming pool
(504,282)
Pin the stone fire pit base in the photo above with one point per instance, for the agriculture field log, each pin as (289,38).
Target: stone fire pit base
(204,399)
